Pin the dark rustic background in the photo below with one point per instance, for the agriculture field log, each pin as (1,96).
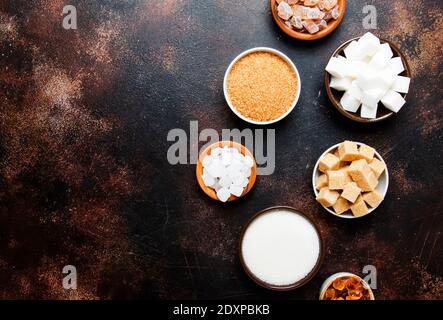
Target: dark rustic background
(84,178)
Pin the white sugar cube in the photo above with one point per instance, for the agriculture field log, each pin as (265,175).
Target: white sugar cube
(401,84)
(349,103)
(366,59)
(386,49)
(393,101)
(223,194)
(249,161)
(367,78)
(236,190)
(386,79)
(352,51)
(353,68)
(355,91)
(350,67)
(371,97)
(368,44)
(336,68)
(340,84)
(345,64)
(368,112)
(382,57)
(396,65)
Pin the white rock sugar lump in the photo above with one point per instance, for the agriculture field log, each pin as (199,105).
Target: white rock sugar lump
(226,171)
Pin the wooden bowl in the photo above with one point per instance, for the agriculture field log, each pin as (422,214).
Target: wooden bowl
(199,169)
(332,25)
(297,284)
(382,187)
(335,96)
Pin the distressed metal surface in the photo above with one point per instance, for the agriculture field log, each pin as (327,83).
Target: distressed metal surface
(84,179)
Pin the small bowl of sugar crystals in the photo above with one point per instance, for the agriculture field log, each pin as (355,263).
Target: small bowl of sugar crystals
(226,171)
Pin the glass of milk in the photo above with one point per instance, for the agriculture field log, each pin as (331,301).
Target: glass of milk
(280,248)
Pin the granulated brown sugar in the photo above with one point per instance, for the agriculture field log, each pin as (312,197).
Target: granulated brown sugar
(262,86)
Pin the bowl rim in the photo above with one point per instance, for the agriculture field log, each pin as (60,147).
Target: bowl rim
(347,215)
(337,275)
(353,115)
(199,169)
(307,36)
(299,283)
(261,49)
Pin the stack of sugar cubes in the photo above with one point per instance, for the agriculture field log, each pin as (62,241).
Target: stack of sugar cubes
(367,75)
(226,171)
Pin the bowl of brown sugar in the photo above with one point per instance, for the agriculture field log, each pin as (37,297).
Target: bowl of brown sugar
(262,85)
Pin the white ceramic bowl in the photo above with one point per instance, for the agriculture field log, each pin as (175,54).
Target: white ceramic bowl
(329,280)
(261,49)
(382,187)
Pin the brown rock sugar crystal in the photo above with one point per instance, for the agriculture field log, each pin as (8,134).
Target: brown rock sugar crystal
(262,86)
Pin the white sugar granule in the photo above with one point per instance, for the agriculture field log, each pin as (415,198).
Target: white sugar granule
(280,247)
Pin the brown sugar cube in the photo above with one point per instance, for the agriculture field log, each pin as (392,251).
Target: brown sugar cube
(351,192)
(327,197)
(368,183)
(366,152)
(359,208)
(321,182)
(336,153)
(342,163)
(377,167)
(328,162)
(348,151)
(345,169)
(358,169)
(336,179)
(373,198)
(341,205)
